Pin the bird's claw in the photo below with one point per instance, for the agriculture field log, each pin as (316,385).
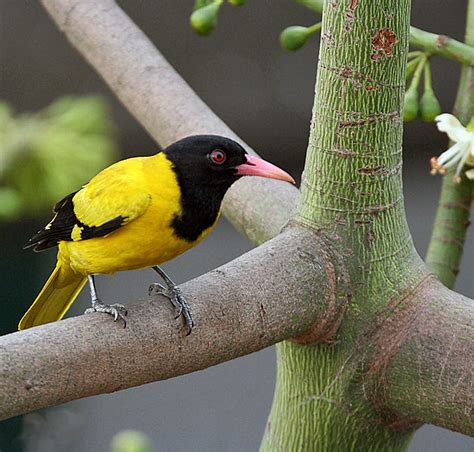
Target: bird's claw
(156,289)
(117,311)
(159,289)
(174,294)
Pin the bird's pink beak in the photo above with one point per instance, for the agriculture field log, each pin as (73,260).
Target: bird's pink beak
(255,166)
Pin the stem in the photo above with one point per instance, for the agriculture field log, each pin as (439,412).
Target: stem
(315,28)
(442,45)
(414,54)
(452,216)
(419,69)
(427,75)
(429,42)
(411,66)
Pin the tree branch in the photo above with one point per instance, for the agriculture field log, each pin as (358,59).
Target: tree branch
(90,354)
(163,102)
(442,45)
(436,44)
(425,359)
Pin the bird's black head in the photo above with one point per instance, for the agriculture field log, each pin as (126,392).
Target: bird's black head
(207,160)
(216,161)
(206,166)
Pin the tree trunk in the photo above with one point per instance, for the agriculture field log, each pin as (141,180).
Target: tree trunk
(351,192)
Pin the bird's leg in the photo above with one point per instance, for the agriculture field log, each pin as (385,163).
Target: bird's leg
(173,292)
(118,311)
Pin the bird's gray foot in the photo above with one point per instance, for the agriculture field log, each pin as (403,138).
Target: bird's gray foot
(159,289)
(174,294)
(117,311)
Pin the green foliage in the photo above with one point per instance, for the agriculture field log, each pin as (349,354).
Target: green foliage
(130,441)
(204,18)
(237,2)
(46,155)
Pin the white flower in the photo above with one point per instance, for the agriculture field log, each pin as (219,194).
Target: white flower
(461,153)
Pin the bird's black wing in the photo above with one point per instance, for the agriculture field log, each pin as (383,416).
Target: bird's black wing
(63,223)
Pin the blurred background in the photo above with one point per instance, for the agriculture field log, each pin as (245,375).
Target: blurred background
(265,94)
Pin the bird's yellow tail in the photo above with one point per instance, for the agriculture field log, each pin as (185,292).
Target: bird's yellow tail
(55,298)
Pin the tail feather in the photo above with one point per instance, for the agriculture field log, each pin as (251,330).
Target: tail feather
(54,300)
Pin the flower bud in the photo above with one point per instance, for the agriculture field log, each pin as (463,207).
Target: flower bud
(410,104)
(429,106)
(295,37)
(204,20)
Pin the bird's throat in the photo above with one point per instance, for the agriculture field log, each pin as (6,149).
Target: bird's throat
(200,209)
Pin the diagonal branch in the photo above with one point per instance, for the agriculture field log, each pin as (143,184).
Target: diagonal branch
(163,102)
(90,354)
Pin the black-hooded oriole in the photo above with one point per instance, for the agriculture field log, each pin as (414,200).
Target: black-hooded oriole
(139,213)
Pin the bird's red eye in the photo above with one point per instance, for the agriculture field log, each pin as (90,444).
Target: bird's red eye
(217,156)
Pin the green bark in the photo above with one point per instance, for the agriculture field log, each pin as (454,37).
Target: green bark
(442,45)
(311,411)
(452,216)
(352,192)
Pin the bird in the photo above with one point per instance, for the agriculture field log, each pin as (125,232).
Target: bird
(139,213)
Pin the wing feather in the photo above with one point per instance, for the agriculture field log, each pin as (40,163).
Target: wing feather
(109,201)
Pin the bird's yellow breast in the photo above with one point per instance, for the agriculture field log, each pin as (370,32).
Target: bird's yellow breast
(147,240)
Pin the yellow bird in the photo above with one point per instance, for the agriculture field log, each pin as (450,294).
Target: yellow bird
(139,213)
